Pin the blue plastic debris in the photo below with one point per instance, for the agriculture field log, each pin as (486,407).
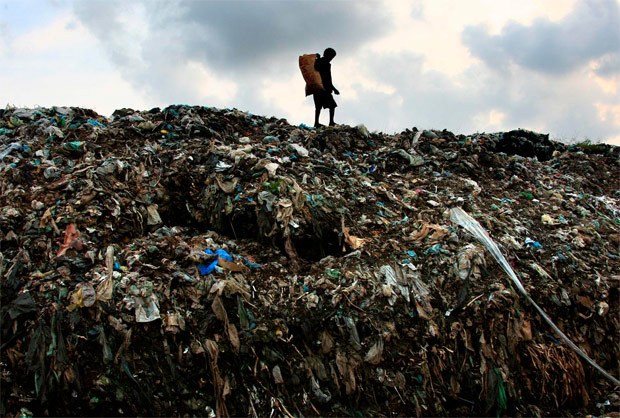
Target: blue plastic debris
(436,249)
(15,146)
(401,221)
(562,257)
(530,243)
(204,269)
(249,262)
(223,254)
(95,123)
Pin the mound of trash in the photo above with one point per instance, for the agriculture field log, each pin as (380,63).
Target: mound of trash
(195,261)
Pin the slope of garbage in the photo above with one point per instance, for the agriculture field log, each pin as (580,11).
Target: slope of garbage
(197,261)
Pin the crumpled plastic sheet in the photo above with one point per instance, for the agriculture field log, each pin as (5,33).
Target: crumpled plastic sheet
(459,216)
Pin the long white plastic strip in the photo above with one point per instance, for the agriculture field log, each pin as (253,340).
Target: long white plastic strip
(460,217)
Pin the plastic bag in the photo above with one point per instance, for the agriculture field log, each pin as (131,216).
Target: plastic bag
(459,216)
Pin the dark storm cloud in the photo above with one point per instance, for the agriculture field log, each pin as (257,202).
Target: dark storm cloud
(246,42)
(236,35)
(589,32)
(239,37)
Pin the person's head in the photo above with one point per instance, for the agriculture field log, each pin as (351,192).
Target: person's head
(329,53)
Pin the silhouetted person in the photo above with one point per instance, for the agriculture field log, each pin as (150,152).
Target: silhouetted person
(323,99)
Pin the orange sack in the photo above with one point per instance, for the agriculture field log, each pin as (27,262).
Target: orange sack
(311,76)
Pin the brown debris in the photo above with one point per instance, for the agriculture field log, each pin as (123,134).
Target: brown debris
(194,261)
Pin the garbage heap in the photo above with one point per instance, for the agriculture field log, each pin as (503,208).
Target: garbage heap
(198,261)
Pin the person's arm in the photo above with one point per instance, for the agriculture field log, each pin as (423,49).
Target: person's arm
(334,89)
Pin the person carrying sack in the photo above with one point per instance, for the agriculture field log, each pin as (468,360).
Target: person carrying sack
(318,78)
(323,99)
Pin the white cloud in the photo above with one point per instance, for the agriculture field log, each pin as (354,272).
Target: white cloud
(198,79)
(60,63)
(49,37)
(492,119)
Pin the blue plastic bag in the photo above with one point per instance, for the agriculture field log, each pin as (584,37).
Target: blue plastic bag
(204,269)
(95,123)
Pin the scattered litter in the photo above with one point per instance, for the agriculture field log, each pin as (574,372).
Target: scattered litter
(193,261)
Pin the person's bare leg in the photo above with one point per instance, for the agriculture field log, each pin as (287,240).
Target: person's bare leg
(317,113)
(331,116)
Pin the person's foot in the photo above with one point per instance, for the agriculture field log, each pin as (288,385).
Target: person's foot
(318,125)
(332,124)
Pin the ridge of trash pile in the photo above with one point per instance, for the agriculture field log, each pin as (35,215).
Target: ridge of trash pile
(201,261)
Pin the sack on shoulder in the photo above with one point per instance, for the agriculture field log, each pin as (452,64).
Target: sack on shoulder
(311,76)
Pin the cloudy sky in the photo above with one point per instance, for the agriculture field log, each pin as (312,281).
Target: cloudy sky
(551,66)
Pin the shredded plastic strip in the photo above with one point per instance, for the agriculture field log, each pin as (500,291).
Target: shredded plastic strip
(462,218)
